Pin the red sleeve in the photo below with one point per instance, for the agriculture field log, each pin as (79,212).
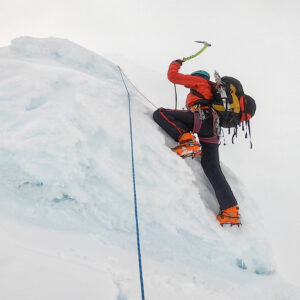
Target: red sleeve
(192,82)
(187,80)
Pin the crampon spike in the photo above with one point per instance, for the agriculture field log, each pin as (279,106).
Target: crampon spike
(193,154)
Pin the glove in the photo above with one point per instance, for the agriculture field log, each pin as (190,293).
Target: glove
(179,61)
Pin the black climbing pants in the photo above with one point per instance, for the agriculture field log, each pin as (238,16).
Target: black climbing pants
(177,122)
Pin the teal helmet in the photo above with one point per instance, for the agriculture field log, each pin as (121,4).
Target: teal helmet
(201,73)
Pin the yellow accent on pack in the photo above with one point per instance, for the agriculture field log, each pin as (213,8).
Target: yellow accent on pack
(235,106)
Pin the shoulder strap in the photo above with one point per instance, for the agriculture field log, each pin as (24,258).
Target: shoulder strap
(194,92)
(202,100)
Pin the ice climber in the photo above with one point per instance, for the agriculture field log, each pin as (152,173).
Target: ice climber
(199,119)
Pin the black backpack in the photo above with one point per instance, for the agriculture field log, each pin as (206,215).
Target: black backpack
(232,105)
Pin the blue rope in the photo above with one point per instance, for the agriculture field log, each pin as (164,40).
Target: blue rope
(134,192)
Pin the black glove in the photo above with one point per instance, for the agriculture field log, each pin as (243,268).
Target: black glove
(179,61)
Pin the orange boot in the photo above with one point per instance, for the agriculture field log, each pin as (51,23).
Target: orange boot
(188,146)
(229,216)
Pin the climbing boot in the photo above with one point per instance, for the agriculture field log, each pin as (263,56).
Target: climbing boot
(188,146)
(229,216)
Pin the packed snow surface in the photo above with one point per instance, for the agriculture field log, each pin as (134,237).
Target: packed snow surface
(67,212)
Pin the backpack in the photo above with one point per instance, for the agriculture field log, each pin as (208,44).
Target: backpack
(232,105)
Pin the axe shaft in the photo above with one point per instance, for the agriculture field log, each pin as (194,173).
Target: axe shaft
(199,52)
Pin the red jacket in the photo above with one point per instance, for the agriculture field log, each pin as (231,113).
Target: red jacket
(199,84)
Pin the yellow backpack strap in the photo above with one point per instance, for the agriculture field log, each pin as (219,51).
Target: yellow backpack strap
(235,106)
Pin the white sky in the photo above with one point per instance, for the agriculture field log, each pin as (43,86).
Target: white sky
(257,40)
(152,32)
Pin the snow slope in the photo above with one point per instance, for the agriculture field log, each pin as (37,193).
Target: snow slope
(67,215)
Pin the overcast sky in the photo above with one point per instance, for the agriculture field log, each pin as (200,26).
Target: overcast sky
(256,41)
(153,32)
(257,38)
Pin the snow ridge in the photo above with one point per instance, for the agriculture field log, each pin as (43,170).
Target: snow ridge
(65,53)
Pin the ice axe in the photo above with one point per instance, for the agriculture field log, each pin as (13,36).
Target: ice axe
(205,45)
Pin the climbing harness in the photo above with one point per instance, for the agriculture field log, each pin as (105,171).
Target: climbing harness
(134,191)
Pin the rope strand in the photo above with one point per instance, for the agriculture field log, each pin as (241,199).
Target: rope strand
(175,96)
(134,192)
(123,74)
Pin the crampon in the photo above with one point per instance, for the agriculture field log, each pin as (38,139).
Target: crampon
(229,216)
(188,146)
(188,150)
